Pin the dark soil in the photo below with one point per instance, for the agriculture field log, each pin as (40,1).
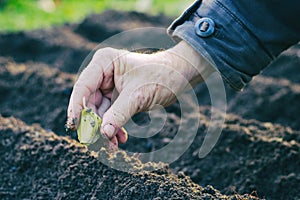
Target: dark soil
(250,156)
(35,93)
(285,65)
(97,28)
(269,99)
(258,152)
(272,97)
(40,165)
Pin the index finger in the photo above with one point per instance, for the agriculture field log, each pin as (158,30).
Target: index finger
(88,82)
(90,79)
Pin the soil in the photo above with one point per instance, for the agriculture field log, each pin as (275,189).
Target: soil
(257,154)
(37,164)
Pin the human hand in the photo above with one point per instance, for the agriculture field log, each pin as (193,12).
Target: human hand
(117,84)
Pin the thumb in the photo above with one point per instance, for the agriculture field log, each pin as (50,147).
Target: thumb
(119,113)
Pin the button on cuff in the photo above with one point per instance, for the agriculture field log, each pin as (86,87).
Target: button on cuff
(205,27)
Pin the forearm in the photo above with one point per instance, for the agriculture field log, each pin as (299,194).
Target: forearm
(241,37)
(192,65)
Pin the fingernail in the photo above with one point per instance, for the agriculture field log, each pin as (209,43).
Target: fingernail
(109,130)
(70,124)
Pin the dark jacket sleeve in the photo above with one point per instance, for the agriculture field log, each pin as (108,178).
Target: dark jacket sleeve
(239,37)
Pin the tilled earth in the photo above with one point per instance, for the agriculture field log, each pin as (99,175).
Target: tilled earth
(257,155)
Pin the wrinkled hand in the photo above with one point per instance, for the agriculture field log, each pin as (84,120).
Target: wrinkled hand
(117,84)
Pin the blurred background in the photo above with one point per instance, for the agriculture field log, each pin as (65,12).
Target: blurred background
(18,15)
(42,45)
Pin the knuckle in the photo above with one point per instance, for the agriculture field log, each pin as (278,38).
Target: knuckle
(80,85)
(140,100)
(104,52)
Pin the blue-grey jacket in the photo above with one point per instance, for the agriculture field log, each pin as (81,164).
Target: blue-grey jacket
(239,37)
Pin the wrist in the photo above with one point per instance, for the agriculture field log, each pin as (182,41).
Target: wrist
(190,63)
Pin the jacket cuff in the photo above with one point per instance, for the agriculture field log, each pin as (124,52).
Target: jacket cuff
(221,38)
